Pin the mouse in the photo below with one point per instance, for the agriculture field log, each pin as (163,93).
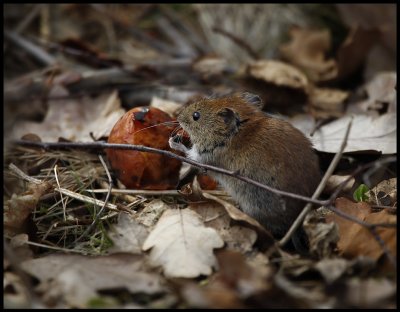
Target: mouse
(232,132)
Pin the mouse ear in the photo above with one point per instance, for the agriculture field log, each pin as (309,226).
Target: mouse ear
(228,115)
(252,99)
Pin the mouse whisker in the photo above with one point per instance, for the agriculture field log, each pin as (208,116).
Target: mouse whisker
(167,123)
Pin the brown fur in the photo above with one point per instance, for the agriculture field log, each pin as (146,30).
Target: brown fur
(263,148)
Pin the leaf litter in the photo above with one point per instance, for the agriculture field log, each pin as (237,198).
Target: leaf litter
(229,257)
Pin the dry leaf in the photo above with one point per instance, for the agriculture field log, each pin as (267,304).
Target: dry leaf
(332,269)
(74,119)
(354,50)
(77,278)
(369,293)
(128,235)
(210,66)
(367,133)
(21,249)
(310,297)
(217,296)
(304,122)
(280,85)
(238,215)
(239,279)
(278,73)
(307,50)
(335,180)
(384,194)
(15,294)
(182,245)
(167,106)
(322,236)
(356,240)
(152,212)
(381,96)
(239,238)
(246,279)
(18,208)
(327,103)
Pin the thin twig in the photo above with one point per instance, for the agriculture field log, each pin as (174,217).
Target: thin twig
(86,199)
(53,247)
(141,148)
(381,242)
(64,204)
(358,221)
(393,209)
(319,189)
(376,164)
(89,228)
(23,175)
(152,192)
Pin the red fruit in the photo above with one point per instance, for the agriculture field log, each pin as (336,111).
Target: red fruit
(140,170)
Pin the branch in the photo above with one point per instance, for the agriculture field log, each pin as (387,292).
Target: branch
(140,148)
(34,50)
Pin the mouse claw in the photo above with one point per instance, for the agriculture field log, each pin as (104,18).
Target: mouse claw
(177,146)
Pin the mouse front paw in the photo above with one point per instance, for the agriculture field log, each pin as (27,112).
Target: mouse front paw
(177,146)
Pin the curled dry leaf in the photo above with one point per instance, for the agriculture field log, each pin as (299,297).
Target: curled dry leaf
(127,235)
(327,103)
(76,279)
(356,240)
(182,245)
(18,208)
(278,73)
(384,194)
(279,84)
(74,119)
(307,50)
(322,236)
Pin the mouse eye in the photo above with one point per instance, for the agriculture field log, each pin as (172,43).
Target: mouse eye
(196,116)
